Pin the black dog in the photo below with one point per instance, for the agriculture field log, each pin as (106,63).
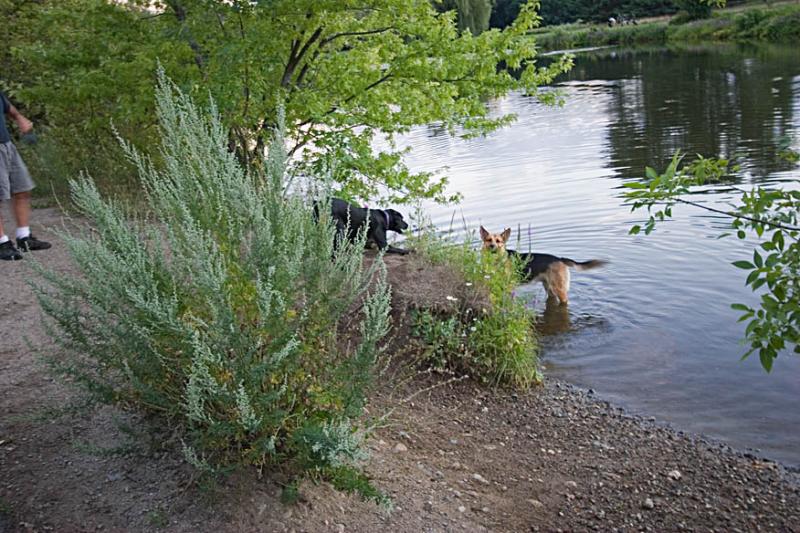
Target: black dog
(380,221)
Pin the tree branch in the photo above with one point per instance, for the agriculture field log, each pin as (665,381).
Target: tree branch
(735,215)
(295,56)
(180,15)
(354,33)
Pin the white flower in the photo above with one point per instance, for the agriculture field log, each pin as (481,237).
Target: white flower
(487,276)
(452,298)
(469,284)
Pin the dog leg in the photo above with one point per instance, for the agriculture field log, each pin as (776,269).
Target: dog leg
(394,250)
(380,240)
(561,285)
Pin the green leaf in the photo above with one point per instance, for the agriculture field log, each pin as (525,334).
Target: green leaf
(635,230)
(746,265)
(745,316)
(780,292)
(766,360)
(777,238)
(740,307)
(757,259)
(772,260)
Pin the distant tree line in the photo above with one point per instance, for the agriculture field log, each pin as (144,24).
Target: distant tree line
(565,11)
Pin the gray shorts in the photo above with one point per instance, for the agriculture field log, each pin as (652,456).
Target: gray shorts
(14,175)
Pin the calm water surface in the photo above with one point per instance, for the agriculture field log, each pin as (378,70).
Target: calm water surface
(653,330)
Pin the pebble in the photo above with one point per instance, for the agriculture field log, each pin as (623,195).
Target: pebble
(674,474)
(648,503)
(480,479)
(400,447)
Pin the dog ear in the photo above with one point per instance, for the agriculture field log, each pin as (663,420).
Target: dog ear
(484,233)
(506,234)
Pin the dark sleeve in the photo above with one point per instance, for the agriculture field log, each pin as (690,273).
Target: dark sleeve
(6,103)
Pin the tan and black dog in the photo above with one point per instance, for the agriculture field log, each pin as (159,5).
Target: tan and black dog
(551,270)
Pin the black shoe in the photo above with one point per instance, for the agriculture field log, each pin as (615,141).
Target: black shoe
(8,251)
(31,243)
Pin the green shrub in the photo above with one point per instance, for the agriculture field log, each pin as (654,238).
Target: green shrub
(224,312)
(498,343)
(747,22)
(716,28)
(778,24)
(783,28)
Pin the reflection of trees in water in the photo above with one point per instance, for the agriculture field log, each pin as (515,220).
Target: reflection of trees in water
(436,130)
(713,101)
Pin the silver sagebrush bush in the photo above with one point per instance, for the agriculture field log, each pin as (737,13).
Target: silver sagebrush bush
(221,311)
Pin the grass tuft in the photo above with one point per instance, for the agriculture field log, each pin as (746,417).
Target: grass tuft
(494,341)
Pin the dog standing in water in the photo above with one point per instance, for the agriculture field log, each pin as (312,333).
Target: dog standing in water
(551,270)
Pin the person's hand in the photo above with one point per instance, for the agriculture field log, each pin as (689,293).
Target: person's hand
(24,124)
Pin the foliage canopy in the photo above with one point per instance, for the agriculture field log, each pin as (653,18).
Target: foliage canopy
(344,71)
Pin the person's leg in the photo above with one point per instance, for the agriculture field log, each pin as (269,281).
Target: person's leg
(8,252)
(21,202)
(21,185)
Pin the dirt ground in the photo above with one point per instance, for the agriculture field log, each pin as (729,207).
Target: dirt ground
(454,456)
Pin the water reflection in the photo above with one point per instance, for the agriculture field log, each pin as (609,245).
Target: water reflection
(554,319)
(720,100)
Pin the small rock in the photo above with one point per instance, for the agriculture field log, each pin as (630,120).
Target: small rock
(428,506)
(536,503)
(648,503)
(674,474)
(571,484)
(400,447)
(461,508)
(480,479)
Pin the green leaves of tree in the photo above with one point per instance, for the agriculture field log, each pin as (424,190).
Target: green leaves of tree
(344,71)
(768,215)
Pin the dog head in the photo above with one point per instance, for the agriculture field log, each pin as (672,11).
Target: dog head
(495,241)
(396,222)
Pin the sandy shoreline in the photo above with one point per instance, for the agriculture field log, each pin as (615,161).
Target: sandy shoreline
(458,457)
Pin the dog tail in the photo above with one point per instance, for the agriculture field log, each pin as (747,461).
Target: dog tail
(584,265)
